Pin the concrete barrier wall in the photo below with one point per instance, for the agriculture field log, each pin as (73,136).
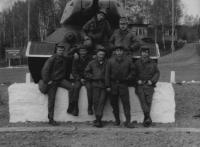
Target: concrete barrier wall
(26,103)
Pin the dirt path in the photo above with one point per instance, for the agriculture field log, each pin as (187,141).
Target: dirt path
(100,138)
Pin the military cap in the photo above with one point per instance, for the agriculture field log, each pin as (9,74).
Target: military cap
(100,48)
(81,46)
(102,11)
(123,20)
(60,44)
(119,47)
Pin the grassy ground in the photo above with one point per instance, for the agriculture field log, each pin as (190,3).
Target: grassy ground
(13,75)
(187,104)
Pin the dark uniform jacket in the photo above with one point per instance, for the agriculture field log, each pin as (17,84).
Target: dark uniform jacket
(54,68)
(123,38)
(119,71)
(146,71)
(96,73)
(78,67)
(98,31)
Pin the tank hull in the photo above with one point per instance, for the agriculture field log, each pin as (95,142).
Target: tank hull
(35,65)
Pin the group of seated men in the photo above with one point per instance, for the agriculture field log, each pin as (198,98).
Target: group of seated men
(106,75)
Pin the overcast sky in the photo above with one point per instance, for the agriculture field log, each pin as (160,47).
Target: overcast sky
(5,3)
(192,7)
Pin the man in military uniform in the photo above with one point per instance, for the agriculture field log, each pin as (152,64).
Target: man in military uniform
(95,71)
(147,75)
(124,37)
(54,75)
(98,29)
(118,73)
(78,68)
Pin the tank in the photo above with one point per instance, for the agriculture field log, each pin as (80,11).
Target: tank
(75,15)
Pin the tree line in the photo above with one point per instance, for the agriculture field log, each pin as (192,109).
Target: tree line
(45,17)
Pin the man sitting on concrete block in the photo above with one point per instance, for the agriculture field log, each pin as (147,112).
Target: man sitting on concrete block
(78,68)
(147,75)
(54,74)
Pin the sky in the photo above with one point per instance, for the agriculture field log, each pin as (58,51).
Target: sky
(191,7)
(5,4)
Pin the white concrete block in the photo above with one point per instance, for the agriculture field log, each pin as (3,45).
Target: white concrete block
(26,103)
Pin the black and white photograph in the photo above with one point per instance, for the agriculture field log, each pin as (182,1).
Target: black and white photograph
(99,73)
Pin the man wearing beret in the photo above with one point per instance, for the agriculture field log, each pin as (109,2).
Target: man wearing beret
(147,75)
(118,73)
(78,68)
(54,75)
(124,37)
(95,72)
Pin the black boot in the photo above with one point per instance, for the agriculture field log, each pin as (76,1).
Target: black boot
(53,122)
(147,120)
(117,119)
(117,122)
(90,110)
(128,124)
(70,108)
(98,122)
(76,110)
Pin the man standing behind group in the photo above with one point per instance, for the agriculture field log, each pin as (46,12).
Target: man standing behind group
(95,71)
(78,68)
(54,75)
(124,37)
(147,75)
(118,73)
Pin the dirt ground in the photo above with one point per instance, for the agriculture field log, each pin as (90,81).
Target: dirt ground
(187,97)
(99,139)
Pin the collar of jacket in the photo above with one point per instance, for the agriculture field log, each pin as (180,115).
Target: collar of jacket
(94,20)
(59,56)
(100,63)
(123,31)
(119,60)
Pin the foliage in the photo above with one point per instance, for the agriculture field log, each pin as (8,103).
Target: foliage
(161,12)
(189,33)
(138,10)
(44,17)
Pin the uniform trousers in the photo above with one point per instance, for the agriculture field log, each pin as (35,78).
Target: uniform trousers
(120,91)
(145,94)
(77,87)
(99,100)
(52,89)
